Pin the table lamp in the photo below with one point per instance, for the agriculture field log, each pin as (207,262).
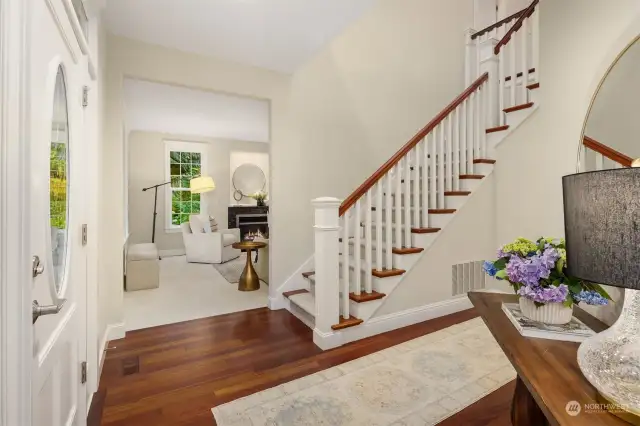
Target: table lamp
(602,229)
(201,184)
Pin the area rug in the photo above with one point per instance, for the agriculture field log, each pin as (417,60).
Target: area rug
(419,382)
(232,269)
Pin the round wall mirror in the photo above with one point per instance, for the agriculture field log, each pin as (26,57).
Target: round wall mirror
(59,182)
(247,180)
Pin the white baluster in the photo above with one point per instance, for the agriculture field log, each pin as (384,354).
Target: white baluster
(476,123)
(456,150)
(463,138)
(511,45)
(368,244)
(357,246)
(433,152)
(471,132)
(535,41)
(407,199)
(388,221)
(502,85)
(397,213)
(379,208)
(524,31)
(345,264)
(417,183)
(425,182)
(449,153)
(599,161)
(327,261)
(441,187)
(484,95)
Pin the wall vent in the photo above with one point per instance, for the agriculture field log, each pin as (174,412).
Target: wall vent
(466,277)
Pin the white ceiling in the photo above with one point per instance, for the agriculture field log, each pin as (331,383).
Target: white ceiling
(273,34)
(177,110)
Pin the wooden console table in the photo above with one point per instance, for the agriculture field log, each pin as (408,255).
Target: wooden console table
(548,373)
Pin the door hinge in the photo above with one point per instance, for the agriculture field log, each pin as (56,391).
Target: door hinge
(85,96)
(83,372)
(84,234)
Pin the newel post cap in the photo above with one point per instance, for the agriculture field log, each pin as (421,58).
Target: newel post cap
(326,202)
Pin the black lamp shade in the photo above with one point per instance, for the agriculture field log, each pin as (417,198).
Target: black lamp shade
(602,226)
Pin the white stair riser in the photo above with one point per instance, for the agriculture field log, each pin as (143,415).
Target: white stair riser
(440,220)
(534,95)
(454,202)
(386,285)
(516,117)
(482,169)
(469,184)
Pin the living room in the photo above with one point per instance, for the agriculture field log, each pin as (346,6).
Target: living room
(197,184)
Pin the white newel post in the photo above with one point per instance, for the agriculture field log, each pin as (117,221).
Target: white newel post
(327,291)
(471,58)
(489,62)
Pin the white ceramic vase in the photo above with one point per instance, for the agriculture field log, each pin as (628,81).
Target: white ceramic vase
(550,313)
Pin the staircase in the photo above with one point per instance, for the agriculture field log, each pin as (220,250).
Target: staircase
(366,244)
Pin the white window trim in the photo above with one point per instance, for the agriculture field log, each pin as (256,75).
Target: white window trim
(169,146)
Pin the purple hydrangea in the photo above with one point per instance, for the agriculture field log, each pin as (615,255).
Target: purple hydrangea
(541,294)
(590,297)
(531,270)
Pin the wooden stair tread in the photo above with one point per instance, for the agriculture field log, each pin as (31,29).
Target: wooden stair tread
(288,294)
(518,107)
(346,323)
(483,161)
(308,274)
(424,230)
(531,71)
(533,86)
(366,297)
(497,129)
(442,211)
(407,250)
(457,193)
(471,176)
(385,273)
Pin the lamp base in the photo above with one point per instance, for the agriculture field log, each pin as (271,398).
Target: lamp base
(611,360)
(615,409)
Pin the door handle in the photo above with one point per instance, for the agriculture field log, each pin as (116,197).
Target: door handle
(38,311)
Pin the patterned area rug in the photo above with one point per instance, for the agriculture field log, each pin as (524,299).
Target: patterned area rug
(419,382)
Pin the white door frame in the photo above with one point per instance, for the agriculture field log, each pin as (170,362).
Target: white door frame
(15,268)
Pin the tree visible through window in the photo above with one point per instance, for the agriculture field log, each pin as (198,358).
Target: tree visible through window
(183,167)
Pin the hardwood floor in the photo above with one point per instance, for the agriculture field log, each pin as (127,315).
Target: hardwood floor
(174,374)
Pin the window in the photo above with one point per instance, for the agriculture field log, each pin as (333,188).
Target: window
(185,161)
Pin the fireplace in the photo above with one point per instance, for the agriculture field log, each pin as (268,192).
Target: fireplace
(251,220)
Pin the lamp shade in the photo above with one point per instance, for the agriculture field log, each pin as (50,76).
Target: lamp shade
(602,226)
(202,184)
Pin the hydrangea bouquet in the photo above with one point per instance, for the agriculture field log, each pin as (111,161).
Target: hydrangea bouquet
(537,271)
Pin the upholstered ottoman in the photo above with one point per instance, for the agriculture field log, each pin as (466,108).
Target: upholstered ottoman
(143,268)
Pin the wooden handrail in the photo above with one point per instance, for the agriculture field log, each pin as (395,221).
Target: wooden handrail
(527,13)
(608,152)
(384,169)
(498,24)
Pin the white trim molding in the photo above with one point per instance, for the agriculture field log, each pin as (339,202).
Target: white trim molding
(390,322)
(111,332)
(294,282)
(15,251)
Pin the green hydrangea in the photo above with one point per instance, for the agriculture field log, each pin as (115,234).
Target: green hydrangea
(520,246)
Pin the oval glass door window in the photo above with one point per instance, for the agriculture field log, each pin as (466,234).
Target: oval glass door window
(59,182)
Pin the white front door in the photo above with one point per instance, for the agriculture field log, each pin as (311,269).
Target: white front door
(58,197)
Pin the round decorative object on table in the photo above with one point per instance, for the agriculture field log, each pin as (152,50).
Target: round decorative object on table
(549,313)
(249,280)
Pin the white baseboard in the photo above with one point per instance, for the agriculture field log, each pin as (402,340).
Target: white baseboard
(392,321)
(112,332)
(295,282)
(171,253)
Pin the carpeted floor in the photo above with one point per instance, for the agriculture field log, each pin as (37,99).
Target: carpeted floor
(188,291)
(420,382)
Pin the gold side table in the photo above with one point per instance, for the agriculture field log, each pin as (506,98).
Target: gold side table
(249,280)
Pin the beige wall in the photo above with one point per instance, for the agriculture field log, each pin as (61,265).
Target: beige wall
(147,166)
(139,60)
(579,40)
(357,102)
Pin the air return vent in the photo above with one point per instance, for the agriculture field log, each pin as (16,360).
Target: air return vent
(466,277)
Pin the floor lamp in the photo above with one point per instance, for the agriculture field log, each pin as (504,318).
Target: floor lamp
(155,207)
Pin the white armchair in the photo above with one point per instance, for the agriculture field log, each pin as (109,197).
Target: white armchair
(209,247)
